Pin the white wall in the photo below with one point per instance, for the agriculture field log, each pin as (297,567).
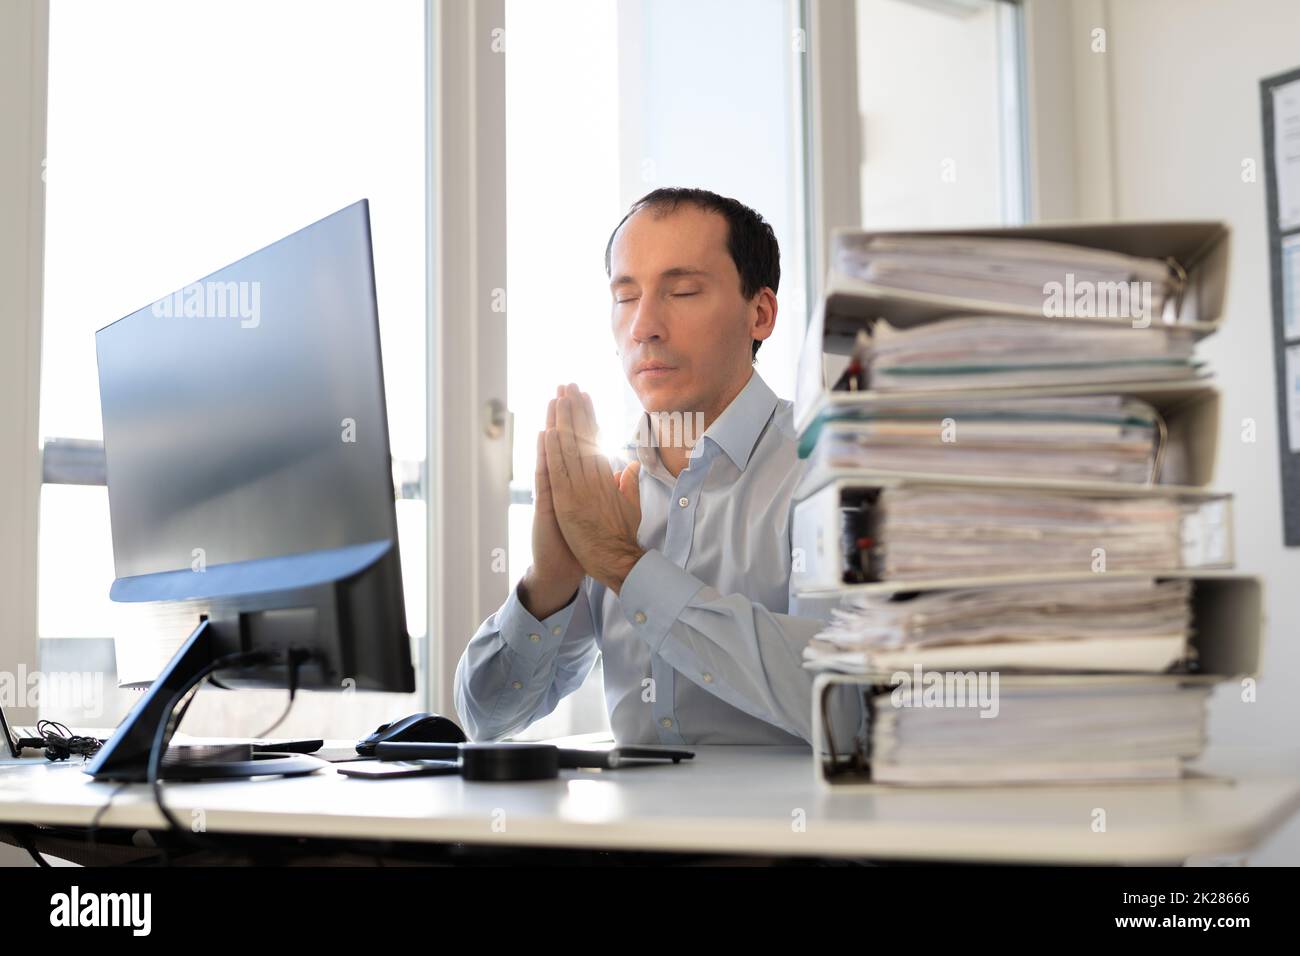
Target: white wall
(1184,108)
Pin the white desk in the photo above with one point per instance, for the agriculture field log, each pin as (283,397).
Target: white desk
(729,800)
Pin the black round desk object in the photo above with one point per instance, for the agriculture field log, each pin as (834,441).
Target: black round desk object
(507,760)
(261,763)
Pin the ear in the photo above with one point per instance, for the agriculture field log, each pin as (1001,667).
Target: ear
(763,314)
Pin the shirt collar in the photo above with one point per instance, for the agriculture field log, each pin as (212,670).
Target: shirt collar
(735,431)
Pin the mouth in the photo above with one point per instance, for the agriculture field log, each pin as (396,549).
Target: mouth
(654,370)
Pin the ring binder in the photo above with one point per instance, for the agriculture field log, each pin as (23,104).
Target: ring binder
(1223,610)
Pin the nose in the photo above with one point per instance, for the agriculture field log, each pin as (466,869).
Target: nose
(648,323)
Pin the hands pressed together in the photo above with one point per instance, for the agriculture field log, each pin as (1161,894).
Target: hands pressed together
(586,515)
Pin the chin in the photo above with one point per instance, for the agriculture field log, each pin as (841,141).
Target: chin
(659,398)
(652,401)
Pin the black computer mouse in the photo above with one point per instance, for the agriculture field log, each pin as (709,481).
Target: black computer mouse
(417,728)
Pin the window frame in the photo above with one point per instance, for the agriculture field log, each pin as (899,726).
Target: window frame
(24,72)
(466,478)
(469,431)
(834,136)
(466,456)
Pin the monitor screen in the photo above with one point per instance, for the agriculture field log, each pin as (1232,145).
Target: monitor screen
(244,415)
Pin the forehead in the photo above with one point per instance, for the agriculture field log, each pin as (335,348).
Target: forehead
(652,240)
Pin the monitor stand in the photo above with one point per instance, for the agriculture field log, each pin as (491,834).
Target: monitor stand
(125,756)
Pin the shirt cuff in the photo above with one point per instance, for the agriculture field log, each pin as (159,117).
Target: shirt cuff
(525,634)
(654,594)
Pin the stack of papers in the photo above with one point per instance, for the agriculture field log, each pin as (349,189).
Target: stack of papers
(1090,731)
(997,493)
(920,533)
(997,352)
(1083,438)
(1016,273)
(1138,625)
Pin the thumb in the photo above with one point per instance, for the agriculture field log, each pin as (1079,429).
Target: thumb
(629,484)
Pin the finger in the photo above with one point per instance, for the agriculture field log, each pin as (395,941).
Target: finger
(584,420)
(550,413)
(583,432)
(594,465)
(555,466)
(568,443)
(573,394)
(541,477)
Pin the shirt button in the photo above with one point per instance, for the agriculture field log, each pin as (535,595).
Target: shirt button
(639,617)
(534,637)
(557,630)
(667,721)
(708,678)
(683,502)
(516,685)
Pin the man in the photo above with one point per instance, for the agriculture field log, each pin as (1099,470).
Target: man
(676,567)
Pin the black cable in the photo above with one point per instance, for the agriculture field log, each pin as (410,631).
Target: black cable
(61,743)
(27,845)
(182,698)
(99,813)
(166,727)
(830,733)
(296,659)
(185,709)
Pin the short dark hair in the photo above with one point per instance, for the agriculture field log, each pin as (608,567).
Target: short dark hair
(750,238)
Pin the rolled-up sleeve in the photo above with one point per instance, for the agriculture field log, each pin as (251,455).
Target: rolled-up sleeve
(748,656)
(516,668)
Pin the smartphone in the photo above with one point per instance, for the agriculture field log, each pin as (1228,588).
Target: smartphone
(398,768)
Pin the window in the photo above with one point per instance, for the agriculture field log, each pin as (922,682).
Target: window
(605,102)
(182,137)
(939,92)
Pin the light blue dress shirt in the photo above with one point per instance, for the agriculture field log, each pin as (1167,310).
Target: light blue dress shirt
(697,648)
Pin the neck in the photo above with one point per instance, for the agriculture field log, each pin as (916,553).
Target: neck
(673,451)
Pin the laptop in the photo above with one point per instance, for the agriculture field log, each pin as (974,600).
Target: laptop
(13,742)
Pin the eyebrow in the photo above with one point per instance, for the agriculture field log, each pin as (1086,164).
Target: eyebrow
(673,273)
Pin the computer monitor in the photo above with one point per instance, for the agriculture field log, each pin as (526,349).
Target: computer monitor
(249,480)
